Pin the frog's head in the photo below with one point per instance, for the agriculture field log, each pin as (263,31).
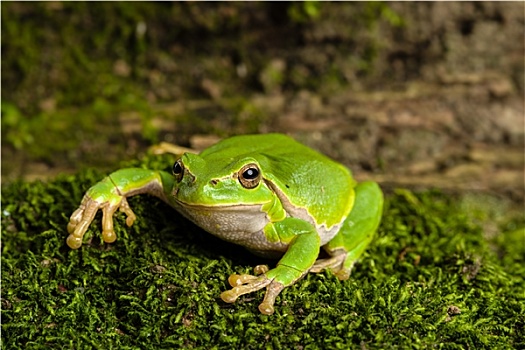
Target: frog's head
(222,182)
(227,197)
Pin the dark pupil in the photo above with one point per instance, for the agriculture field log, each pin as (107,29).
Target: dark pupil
(251,174)
(177,169)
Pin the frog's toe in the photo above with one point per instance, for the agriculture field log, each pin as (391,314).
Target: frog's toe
(74,242)
(333,263)
(343,274)
(109,236)
(238,280)
(74,219)
(71,227)
(260,269)
(80,221)
(266,308)
(229,296)
(340,265)
(243,284)
(108,233)
(126,209)
(272,291)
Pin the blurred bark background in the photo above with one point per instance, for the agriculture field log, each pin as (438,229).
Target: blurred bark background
(411,94)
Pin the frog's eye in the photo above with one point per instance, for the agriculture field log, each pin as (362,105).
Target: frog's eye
(178,170)
(249,175)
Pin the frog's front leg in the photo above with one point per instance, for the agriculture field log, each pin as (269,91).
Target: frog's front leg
(303,249)
(356,232)
(109,195)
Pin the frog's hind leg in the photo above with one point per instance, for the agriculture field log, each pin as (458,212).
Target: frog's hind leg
(341,262)
(356,232)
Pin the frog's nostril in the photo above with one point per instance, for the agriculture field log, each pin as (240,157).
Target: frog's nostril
(214,182)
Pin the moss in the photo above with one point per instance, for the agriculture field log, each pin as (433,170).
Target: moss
(428,280)
(84,134)
(301,12)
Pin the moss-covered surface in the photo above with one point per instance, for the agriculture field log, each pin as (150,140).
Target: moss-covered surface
(431,279)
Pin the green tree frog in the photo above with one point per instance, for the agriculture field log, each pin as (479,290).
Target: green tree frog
(267,193)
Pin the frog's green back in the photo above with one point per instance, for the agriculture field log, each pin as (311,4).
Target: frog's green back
(310,179)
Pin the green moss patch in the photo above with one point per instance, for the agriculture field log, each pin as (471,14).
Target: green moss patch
(430,279)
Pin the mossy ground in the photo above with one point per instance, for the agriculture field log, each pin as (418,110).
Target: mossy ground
(430,279)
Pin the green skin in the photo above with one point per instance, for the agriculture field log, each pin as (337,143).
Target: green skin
(268,193)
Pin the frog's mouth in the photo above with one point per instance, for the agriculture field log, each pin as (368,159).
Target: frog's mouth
(221,207)
(229,222)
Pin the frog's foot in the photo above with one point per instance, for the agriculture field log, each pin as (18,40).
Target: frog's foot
(338,264)
(84,215)
(169,148)
(244,284)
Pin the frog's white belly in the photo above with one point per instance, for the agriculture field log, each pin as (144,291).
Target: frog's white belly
(243,225)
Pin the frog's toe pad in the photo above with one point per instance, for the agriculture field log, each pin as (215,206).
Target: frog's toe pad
(343,274)
(266,308)
(260,269)
(74,242)
(109,236)
(229,296)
